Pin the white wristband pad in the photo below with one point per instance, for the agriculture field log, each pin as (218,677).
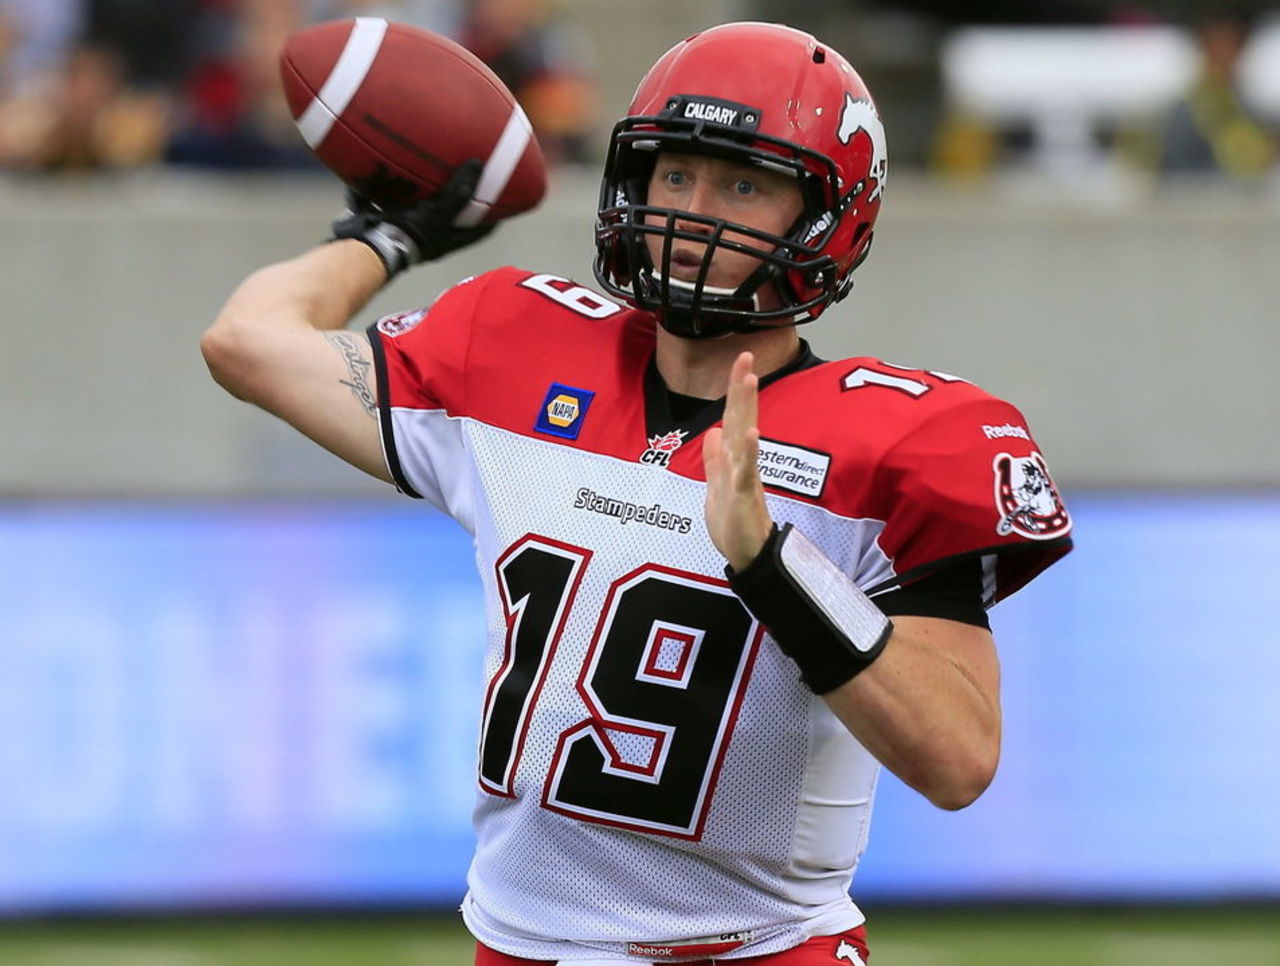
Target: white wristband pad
(817,616)
(831,591)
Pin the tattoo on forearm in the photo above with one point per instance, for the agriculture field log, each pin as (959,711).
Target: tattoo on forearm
(348,346)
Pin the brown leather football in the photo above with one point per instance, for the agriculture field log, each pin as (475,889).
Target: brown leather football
(393,110)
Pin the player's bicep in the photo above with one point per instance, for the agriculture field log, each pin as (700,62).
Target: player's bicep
(323,384)
(969,649)
(352,431)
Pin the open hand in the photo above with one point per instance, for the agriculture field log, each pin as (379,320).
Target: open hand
(737,519)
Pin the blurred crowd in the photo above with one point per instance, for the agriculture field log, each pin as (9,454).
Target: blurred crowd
(1208,124)
(1214,127)
(91,85)
(108,84)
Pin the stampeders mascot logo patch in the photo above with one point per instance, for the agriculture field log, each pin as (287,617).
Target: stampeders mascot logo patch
(1027,499)
(399,324)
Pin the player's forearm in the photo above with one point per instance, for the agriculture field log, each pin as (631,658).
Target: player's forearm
(920,693)
(925,717)
(253,345)
(322,289)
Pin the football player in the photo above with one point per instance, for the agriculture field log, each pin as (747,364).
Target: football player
(727,580)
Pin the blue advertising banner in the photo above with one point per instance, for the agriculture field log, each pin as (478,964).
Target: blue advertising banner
(267,704)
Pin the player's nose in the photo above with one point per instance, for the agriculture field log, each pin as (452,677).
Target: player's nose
(701,205)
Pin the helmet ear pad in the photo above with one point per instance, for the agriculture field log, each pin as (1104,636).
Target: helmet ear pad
(634,170)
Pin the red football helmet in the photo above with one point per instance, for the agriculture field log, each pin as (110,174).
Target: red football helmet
(758,94)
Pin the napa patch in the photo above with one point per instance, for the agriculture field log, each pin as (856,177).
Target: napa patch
(563,411)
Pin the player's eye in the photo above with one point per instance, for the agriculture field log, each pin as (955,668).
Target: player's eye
(745,187)
(676,179)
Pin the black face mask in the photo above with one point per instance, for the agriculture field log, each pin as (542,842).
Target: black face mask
(789,264)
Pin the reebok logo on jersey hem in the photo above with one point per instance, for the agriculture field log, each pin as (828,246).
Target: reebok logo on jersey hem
(705,947)
(626,512)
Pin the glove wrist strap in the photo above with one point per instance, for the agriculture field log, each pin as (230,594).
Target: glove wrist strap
(393,245)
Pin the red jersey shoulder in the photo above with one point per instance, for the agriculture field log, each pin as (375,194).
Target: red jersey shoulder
(862,387)
(503,295)
(421,354)
(896,443)
(866,408)
(545,344)
(526,351)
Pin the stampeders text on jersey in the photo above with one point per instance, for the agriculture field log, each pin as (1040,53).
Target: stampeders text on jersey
(627,512)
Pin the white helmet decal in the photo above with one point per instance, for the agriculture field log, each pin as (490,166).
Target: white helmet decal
(860,115)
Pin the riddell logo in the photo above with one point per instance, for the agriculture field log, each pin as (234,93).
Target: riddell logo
(822,224)
(661,447)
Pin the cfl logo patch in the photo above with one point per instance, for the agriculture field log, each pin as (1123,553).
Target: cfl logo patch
(662,446)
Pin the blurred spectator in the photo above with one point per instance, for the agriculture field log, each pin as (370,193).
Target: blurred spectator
(1211,129)
(542,62)
(1141,95)
(231,114)
(151,38)
(82,119)
(66,101)
(965,147)
(35,36)
(440,16)
(91,84)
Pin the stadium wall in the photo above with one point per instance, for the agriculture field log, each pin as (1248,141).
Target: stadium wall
(1139,335)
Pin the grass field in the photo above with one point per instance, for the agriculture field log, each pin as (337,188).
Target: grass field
(1049,937)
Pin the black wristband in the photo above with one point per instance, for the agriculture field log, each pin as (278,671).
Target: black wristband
(814,612)
(395,247)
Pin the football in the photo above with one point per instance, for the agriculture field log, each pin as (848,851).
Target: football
(393,110)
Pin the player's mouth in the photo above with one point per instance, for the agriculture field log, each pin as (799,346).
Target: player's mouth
(686,264)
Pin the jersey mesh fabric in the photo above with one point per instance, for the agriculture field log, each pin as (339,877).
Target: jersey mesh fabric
(786,819)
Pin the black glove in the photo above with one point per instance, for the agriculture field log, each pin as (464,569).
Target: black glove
(421,231)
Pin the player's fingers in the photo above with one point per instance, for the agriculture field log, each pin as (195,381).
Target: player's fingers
(746,473)
(740,401)
(713,453)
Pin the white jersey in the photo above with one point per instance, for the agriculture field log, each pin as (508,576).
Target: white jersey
(654,780)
